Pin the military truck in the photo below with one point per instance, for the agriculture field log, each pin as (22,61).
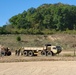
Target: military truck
(47,50)
(4,51)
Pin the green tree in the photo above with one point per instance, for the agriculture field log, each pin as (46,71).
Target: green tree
(58,17)
(18,38)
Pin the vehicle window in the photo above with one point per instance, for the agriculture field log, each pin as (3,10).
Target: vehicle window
(58,47)
(54,47)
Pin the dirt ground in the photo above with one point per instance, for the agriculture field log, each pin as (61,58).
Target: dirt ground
(39,68)
(38,65)
(63,56)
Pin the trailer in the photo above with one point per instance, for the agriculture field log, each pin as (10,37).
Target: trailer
(47,50)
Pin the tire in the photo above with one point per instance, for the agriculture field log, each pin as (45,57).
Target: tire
(25,53)
(49,53)
(8,53)
(2,53)
(30,53)
(43,53)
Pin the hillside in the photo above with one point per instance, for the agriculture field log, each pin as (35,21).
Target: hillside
(66,41)
(46,19)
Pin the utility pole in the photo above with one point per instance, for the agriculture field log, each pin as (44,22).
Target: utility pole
(74,49)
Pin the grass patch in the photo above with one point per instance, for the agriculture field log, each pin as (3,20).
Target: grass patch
(64,40)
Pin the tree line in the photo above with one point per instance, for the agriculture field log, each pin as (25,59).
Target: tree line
(45,19)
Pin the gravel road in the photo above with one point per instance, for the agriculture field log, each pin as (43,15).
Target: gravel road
(39,68)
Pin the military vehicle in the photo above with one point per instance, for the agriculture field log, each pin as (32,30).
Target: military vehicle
(4,51)
(47,50)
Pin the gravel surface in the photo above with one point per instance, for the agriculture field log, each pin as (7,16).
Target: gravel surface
(39,68)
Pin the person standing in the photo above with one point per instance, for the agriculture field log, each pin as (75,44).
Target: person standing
(19,52)
(16,52)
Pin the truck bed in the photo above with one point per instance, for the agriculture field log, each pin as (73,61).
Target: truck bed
(33,48)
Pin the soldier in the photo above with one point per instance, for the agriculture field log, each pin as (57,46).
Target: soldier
(19,52)
(16,52)
(2,52)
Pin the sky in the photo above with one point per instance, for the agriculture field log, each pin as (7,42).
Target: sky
(9,8)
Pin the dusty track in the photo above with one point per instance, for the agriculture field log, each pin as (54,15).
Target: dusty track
(30,59)
(39,68)
(38,65)
(63,56)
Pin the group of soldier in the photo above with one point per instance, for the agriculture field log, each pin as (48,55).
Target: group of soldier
(18,52)
(6,52)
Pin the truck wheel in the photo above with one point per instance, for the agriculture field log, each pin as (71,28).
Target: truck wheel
(49,53)
(2,53)
(43,53)
(8,53)
(30,53)
(25,53)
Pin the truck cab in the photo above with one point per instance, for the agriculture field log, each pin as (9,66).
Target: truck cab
(49,50)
